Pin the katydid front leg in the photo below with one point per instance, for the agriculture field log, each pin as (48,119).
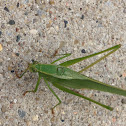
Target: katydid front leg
(20,76)
(36,87)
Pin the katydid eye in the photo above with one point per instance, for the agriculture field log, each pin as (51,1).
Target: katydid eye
(34,62)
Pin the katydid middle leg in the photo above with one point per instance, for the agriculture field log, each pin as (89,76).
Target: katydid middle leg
(54,95)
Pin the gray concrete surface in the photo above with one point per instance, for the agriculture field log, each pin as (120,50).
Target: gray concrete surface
(36,29)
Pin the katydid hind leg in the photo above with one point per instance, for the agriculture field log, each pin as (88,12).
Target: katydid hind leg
(53,94)
(36,87)
(77,60)
(92,64)
(79,95)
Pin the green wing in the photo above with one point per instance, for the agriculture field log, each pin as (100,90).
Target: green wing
(72,79)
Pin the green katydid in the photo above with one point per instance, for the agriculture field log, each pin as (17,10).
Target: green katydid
(64,78)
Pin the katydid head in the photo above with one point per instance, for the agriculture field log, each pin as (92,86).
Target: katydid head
(31,66)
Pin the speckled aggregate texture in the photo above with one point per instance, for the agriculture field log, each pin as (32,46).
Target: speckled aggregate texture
(36,30)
